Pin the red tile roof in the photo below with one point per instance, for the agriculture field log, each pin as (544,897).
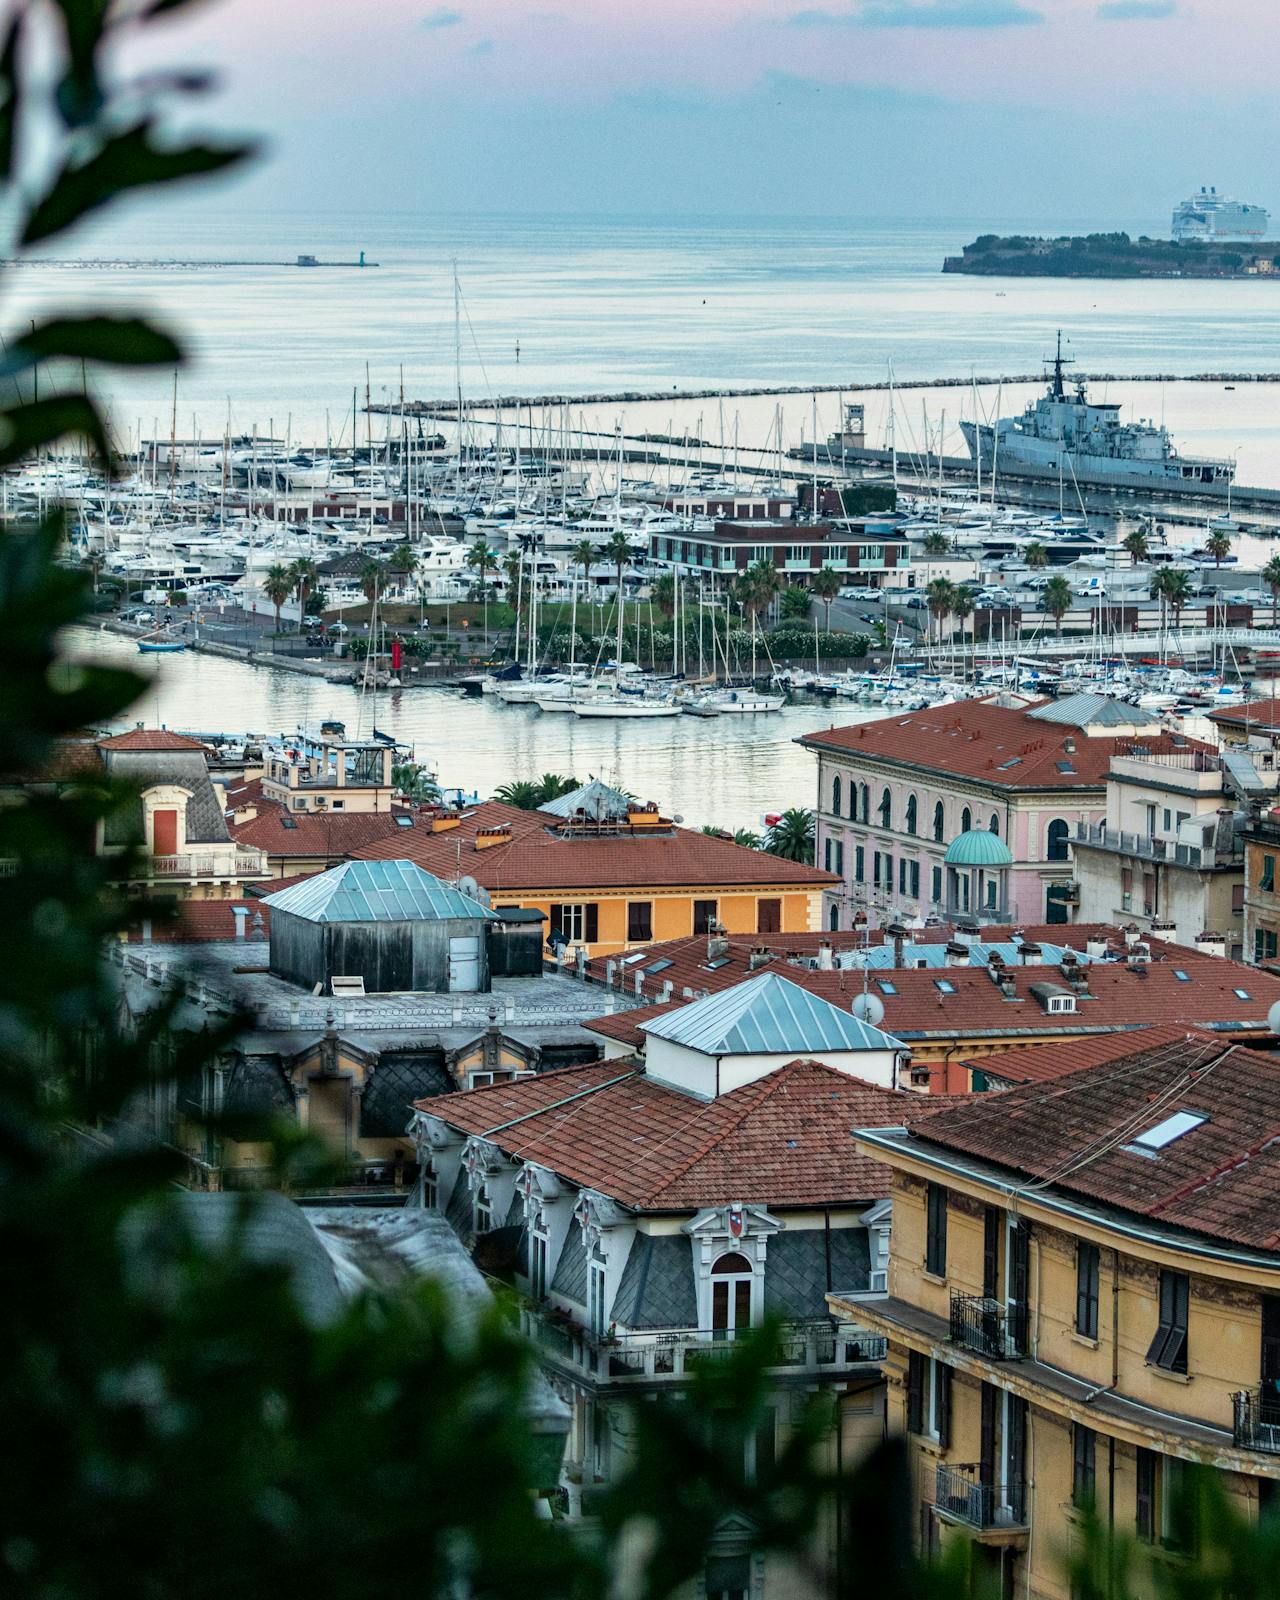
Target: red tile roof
(1000,745)
(332,835)
(1219,1179)
(539,855)
(205,922)
(149,739)
(783,1140)
(1260,714)
(1038,1063)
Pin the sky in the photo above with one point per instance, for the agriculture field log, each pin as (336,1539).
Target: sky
(1105,110)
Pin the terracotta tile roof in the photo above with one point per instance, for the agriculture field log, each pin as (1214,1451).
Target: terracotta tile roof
(783,1140)
(205,922)
(313,833)
(1000,745)
(539,856)
(149,739)
(1038,1063)
(1261,714)
(1219,1179)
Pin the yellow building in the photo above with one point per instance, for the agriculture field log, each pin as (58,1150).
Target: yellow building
(1262,891)
(1083,1298)
(608,873)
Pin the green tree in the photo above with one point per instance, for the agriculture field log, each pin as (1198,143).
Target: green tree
(618,549)
(1036,556)
(304,575)
(664,594)
(1138,545)
(795,603)
(521,793)
(791,836)
(277,586)
(826,585)
(962,607)
(372,580)
(1218,545)
(1056,601)
(482,558)
(415,782)
(1271,577)
(940,597)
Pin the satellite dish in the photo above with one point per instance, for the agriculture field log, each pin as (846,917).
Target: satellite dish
(473,891)
(870,1008)
(1273,1018)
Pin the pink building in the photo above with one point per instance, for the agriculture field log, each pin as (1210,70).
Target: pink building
(895,793)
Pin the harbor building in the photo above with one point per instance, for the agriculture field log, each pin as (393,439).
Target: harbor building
(870,550)
(951,996)
(895,795)
(656,1225)
(1170,855)
(607,872)
(1077,1312)
(364,989)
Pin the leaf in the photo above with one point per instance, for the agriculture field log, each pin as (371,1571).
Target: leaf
(119,341)
(10,95)
(128,161)
(28,427)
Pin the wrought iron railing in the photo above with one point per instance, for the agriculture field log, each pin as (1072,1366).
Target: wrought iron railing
(988,1327)
(961,1495)
(1256,1424)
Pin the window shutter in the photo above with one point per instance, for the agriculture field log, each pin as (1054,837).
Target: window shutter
(591,923)
(942,1378)
(915,1392)
(1146,1495)
(1019,1286)
(987,1448)
(992,1221)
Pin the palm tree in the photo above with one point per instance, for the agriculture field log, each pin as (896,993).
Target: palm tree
(826,585)
(520,793)
(747,839)
(584,554)
(756,587)
(934,545)
(277,586)
(1056,600)
(940,596)
(796,602)
(305,575)
(551,785)
(962,607)
(1138,545)
(482,558)
(371,576)
(414,782)
(1218,544)
(664,595)
(1177,591)
(618,550)
(404,558)
(791,836)
(1271,577)
(1036,557)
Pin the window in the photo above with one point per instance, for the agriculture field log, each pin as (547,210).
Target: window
(935,1246)
(538,1267)
(1168,1349)
(835,795)
(833,919)
(578,924)
(826,853)
(596,1305)
(1241,994)
(994,824)
(902,874)
(838,859)
(1088,1259)
(944,986)
(1084,1452)
(910,824)
(886,808)
(1268,878)
(935,886)
(727,1578)
(639,921)
(1056,848)
(1146,1495)
(859,863)
(1165,1132)
(481,1211)
(929,1397)
(430,1186)
(913,884)
(966,820)
(888,872)
(939,822)
(864,802)
(1264,944)
(731,1281)
(704,914)
(769,915)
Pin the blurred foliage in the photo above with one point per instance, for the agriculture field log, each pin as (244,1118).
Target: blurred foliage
(176,1423)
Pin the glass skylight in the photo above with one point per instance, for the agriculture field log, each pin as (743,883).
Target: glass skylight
(1164,1133)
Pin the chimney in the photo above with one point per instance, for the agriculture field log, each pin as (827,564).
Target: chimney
(1008,988)
(664,994)
(966,931)
(241,914)
(898,933)
(761,956)
(955,954)
(580,961)
(826,957)
(610,971)
(1211,944)
(1030,955)
(486,838)
(639,983)
(1096,949)
(717,944)
(1164,930)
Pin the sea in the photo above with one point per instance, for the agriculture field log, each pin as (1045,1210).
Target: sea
(590,306)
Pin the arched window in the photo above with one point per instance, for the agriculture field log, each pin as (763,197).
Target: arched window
(911,814)
(864,799)
(833,919)
(994,824)
(835,795)
(1056,847)
(966,820)
(886,807)
(939,822)
(731,1279)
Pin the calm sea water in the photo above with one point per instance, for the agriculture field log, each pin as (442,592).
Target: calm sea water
(616,304)
(728,771)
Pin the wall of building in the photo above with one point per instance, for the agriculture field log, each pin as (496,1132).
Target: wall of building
(672,910)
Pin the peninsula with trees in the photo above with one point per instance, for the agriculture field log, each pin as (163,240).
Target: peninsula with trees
(1114,255)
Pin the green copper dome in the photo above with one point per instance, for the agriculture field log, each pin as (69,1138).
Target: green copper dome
(978,848)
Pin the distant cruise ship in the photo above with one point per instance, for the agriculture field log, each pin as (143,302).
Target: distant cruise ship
(1210,215)
(1065,434)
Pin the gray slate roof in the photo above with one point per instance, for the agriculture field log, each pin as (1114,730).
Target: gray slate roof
(596,799)
(270,1229)
(377,891)
(144,769)
(805,1263)
(766,1015)
(571,1269)
(398,1080)
(656,1289)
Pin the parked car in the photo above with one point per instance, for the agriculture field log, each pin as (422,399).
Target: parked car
(917,602)
(869,592)
(339,627)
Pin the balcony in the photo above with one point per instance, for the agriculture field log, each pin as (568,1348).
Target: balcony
(821,1347)
(1167,852)
(1256,1424)
(986,1508)
(988,1327)
(198,866)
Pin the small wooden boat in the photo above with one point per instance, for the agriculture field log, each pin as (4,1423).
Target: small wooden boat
(161,646)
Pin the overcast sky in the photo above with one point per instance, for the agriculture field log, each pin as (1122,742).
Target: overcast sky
(952,109)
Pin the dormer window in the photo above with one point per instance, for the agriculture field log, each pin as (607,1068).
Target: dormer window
(1062,1002)
(597,1302)
(481,1211)
(731,1284)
